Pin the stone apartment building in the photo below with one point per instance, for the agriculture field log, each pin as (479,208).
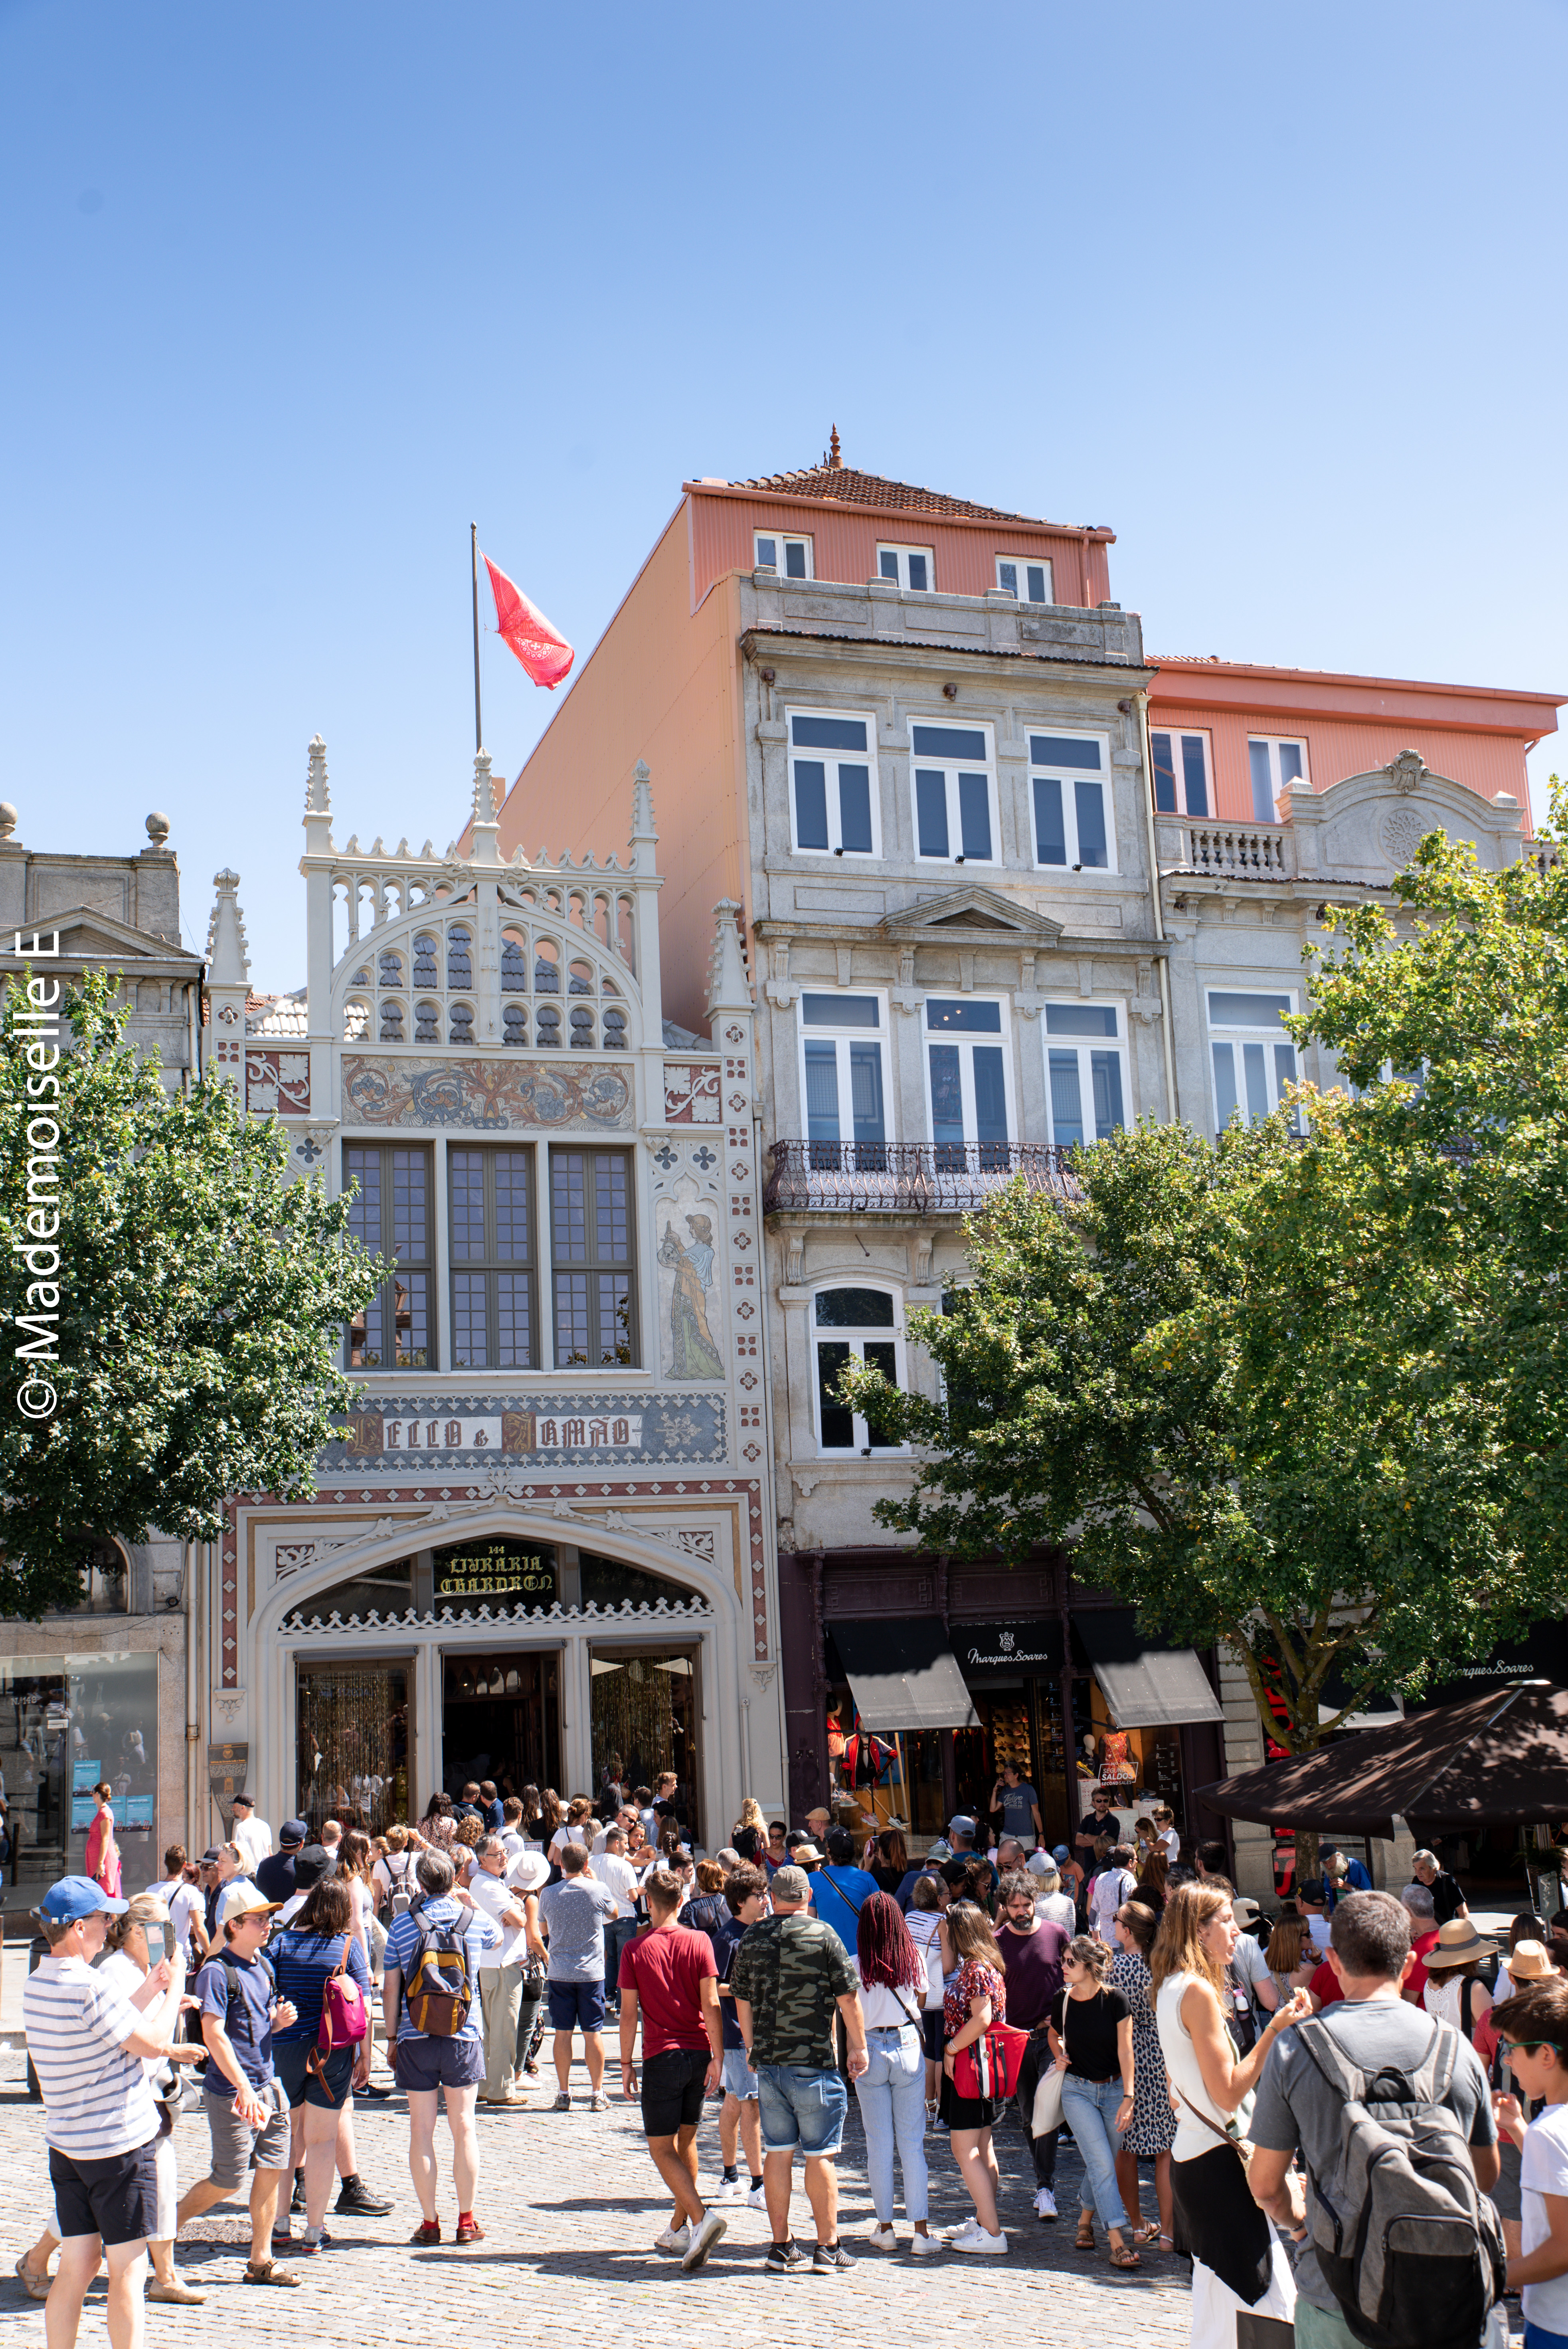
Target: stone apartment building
(101,1692)
(1008,881)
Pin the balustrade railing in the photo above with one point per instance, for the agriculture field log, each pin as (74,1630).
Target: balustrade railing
(908,1178)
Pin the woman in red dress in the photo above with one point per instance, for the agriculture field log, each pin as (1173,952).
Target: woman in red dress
(102,1862)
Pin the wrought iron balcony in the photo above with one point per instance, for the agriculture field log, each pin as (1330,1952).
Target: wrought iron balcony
(903,1178)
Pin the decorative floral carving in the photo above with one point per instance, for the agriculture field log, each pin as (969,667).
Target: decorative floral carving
(691,1092)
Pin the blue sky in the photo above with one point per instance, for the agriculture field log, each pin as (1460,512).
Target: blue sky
(290,294)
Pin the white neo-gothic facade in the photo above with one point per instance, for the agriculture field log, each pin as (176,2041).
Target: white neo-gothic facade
(542,1538)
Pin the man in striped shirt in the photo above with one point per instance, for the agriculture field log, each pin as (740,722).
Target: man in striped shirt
(88,2046)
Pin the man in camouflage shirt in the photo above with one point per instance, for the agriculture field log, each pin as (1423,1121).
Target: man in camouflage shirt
(789,1973)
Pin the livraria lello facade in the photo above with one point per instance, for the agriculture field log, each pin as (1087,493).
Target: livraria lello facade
(539,1546)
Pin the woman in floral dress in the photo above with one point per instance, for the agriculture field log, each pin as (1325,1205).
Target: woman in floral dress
(1154,2131)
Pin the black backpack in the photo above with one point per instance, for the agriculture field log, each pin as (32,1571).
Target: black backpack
(225,1956)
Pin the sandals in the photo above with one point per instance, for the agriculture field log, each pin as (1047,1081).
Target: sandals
(1083,2239)
(270,2272)
(1148,2234)
(1122,2255)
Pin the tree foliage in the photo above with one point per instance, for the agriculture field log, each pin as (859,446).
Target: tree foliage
(198,1299)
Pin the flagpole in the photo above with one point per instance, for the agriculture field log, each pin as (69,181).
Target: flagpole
(474,553)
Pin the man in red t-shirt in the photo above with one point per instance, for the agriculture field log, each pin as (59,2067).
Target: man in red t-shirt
(1422,1907)
(669,1976)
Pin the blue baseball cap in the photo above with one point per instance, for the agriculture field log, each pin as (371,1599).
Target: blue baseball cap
(75,1897)
(1061,1851)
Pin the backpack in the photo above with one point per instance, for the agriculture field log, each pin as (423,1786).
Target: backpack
(343,2019)
(402,1896)
(1408,2244)
(225,1956)
(438,1989)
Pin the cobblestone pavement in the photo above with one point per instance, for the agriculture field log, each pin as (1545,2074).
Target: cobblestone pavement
(570,2204)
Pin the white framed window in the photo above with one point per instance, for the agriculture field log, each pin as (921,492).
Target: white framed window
(789,555)
(1068,774)
(843,1077)
(835,803)
(968,1080)
(1026,576)
(953,777)
(1276,765)
(860,1325)
(1181,773)
(1086,1070)
(908,566)
(1252,1061)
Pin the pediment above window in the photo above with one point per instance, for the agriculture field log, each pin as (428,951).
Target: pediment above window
(981,914)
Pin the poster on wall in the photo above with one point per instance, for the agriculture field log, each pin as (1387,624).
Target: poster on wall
(84,1810)
(137,1818)
(85,1776)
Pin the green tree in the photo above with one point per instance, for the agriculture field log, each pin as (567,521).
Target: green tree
(1222,1375)
(192,1293)
(1471,991)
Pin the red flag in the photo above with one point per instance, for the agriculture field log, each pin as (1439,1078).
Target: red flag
(543,650)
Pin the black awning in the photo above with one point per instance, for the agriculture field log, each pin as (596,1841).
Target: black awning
(1031,1645)
(902,1674)
(1146,1685)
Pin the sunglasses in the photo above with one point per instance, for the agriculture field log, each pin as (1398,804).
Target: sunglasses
(1524,2046)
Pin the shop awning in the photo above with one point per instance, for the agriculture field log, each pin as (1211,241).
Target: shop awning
(1028,1644)
(903,1675)
(1496,1760)
(1147,1686)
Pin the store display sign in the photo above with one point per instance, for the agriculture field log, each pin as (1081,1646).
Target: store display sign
(1033,1646)
(138,1815)
(84,1810)
(84,1775)
(497,1569)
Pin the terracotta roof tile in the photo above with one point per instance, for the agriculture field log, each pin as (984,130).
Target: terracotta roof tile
(844,486)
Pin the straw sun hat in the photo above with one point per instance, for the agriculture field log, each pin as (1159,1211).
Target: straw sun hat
(1530,1962)
(1457,1944)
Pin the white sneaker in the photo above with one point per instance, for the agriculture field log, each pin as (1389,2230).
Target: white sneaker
(757,2198)
(990,2247)
(882,2238)
(728,2189)
(925,2246)
(1044,2203)
(704,2240)
(672,2238)
(965,2226)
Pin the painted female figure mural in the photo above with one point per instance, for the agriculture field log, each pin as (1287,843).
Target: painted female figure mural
(694,1353)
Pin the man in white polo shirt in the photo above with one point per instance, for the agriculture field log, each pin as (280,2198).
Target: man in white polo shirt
(251,1834)
(88,2046)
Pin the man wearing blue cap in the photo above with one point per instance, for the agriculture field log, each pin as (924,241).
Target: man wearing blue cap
(88,2047)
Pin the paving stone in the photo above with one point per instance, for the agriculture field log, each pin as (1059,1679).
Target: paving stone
(570,2204)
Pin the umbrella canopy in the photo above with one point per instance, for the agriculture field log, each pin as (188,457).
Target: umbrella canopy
(1496,1760)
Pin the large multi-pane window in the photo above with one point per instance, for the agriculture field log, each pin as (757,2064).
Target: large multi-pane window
(392,1215)
(966,1063)
(841,1076)
(832,798)
(1067,779)
(489,1196)
(1254,1062)
(1276,765)
(1180,773)
(954,793)
(858,1325)
(592,1264)
(1086,1081)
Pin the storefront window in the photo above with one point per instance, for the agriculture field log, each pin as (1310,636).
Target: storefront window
(895,1779)
(353,1745)
(644,1715)
(1140,1766)
(500,1720)
(65,1725)
(611,1582)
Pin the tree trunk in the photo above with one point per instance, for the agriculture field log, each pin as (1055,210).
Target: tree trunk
(1306,1861)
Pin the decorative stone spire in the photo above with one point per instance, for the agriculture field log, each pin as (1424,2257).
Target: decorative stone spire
(227,953)
(645,835)
(834,461)
(728,988)
(317,798)
(484,831)
(9,825)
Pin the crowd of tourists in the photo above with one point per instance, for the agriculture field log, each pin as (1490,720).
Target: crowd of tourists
(1343,2129)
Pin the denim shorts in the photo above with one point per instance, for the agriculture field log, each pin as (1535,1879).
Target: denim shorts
(738,2079)
(801,2106)
(576,2005)
(291,2069)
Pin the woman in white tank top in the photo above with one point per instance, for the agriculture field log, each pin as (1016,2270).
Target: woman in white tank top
(1238,2260)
